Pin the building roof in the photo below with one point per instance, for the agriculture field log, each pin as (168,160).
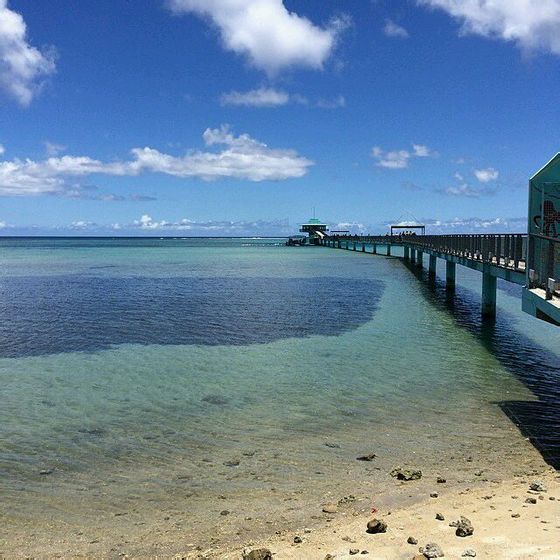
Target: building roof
(551,163)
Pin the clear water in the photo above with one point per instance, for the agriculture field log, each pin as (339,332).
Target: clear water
(159,382)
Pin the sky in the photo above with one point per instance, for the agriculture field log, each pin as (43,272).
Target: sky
(239,117)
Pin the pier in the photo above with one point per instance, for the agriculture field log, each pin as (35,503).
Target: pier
(495,256)
(530,259)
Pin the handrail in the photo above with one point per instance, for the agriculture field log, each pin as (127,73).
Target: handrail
(505,250)
(544,263)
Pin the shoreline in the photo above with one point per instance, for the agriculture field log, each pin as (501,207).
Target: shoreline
(506,526)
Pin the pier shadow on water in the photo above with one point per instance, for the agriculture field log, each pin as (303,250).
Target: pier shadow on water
(534,365)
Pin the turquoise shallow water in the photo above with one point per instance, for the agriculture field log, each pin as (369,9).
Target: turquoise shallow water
(163,381)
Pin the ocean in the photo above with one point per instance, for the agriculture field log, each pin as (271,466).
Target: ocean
(169,395)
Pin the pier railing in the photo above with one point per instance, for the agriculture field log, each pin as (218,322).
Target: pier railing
(544,263)
(507,250)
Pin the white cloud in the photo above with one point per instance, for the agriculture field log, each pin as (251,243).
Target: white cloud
(262,97)
(399,159)
(242,157)
(532,24)
(393,29)
(463,190)
(270,97)
(2,150)
(459,177)
(391,160)
(422,151)
(267,33)
(53,149)
(3,224)
(470,225)
(486,175)
(352,227)
(82,224)
(22,66)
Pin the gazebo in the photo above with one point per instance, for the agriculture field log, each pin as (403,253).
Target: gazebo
(407,227)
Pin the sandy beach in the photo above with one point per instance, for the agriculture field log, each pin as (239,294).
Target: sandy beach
(510,521)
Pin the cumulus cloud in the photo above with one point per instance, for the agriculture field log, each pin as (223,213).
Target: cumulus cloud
(399,159)
(261,97)
(393,29)
(531,24)
(22,66)
(2,150)
(241,157)
(486,175)
(264,31)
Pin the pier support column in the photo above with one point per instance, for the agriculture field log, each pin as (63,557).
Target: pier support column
(433,265)
(363,247)
(412,256)
(419,259)
(406,254)
(388,249)
(354,247)
(347,245)
(374,249)
(339,245)
(450,274)
(488,295)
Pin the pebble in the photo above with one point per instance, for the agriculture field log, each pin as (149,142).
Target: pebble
(464,528)
(330,508)
(224,512)
(434,495)
(515,515)
(353,551)
(439,517)
(441,480)
(233,463)
(298,540)
(257,554)
(46,471)
(368,457)
(412,540)
(376,526)
(531,501)
(433,550)
(332,445)
(330,557)
(406,474)
(470,553)
(538,486)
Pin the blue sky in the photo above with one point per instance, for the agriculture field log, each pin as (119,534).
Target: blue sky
(209,117)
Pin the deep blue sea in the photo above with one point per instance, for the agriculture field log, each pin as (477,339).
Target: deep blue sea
(146,385)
